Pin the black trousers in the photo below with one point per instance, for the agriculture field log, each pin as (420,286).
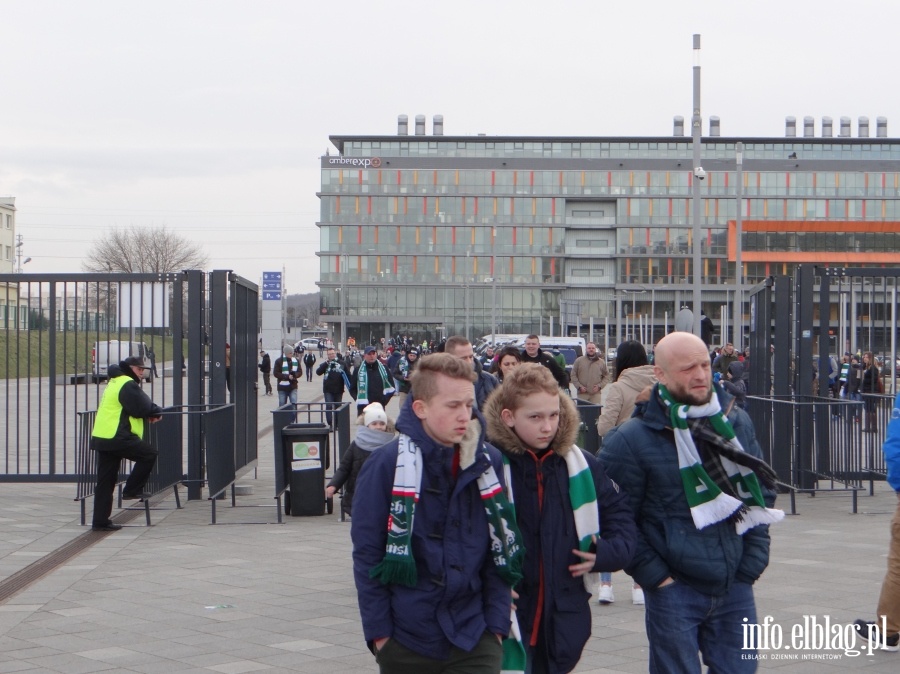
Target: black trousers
(108,464)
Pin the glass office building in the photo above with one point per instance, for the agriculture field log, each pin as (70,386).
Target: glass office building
(433,235)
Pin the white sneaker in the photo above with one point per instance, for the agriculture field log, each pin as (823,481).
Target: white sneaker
(637,596)
(605,596)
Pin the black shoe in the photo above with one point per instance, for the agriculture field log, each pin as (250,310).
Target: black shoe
(870,630)
(132,497)
(109,526)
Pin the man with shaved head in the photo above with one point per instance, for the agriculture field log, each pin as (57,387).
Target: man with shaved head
(702,496)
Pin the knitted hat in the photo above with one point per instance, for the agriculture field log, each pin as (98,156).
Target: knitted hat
(374,412)
(287,351)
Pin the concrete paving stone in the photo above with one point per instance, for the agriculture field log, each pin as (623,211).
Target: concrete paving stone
(239,667)
(16,666)
(73,664)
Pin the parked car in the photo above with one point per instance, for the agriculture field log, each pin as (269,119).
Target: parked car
(109,353)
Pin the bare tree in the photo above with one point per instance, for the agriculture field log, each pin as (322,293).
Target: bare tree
(144,250)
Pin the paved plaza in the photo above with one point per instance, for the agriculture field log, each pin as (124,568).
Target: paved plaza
(251,595)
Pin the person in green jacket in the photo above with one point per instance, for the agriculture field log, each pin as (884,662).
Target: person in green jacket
(119,434)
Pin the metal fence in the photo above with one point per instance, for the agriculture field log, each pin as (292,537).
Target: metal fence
(59,332)
(821,444)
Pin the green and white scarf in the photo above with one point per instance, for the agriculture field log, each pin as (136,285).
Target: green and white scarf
(362,389)
(399,566)
(708,502)
(289,365)
(583,498)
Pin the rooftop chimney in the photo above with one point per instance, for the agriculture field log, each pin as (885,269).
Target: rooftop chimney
(863,127)
(881,127)
(715,128)
(827,127)
(420,125)
(402,125)
(678,126)
(809,127)
(845,127)
(790,127)
(437,124)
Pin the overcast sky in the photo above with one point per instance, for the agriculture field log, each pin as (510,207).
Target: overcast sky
(210,117)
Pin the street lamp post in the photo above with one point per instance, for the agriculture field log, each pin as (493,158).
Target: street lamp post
(696,124)
(738,249)
(343,262)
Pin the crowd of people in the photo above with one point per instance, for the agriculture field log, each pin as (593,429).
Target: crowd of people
(517,527)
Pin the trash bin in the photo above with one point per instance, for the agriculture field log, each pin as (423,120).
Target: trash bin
(305,457)
(589,413)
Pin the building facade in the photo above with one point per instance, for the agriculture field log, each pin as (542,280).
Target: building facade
(10,313)
(432,235)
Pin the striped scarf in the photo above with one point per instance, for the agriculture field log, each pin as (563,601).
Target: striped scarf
(398,565)
(737,494)
(362,390)
(583,498)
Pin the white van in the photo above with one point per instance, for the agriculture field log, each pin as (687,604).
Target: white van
(570,347)
(112,352)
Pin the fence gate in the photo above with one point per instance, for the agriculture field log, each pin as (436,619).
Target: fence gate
(799,327)
(58,333)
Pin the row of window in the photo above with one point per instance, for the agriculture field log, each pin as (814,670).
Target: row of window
(682,149)
(532,210)
(853,242)
(490,182)
(482,242)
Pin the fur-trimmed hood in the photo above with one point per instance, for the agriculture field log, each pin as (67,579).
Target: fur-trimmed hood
(501,435)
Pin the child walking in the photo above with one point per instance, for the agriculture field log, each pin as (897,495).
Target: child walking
(375,430)
(574,520)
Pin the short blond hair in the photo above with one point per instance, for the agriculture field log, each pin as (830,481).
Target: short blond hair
(424,383)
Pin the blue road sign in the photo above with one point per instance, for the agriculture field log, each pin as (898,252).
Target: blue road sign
(271,276)
(271,285)
(271,295)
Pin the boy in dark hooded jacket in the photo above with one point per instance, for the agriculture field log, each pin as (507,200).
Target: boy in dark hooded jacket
(574,520)
(733,382)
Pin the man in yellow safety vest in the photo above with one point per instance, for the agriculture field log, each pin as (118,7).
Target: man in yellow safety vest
(119,434)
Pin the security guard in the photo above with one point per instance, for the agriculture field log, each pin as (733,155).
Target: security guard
(119,434)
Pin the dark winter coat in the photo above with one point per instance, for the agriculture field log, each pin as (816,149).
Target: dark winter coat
(333,371)
(484,385)
(736,386)
(459,594)
(367,441)
(309,360)
(265,364)
(641,456)
(545,359)
(285,383)
(397,374)
(544,513)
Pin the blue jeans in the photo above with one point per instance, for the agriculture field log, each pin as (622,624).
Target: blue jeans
(335,399)
(283,396)
(682,621)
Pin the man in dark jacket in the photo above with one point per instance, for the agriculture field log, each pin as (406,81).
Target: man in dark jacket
(287,371)
(265,366)
(371,382)
(309,359)
(452,601)
(334,382)
(694,490)
(532,353)
(118,434)
(460,347)
(402,372)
